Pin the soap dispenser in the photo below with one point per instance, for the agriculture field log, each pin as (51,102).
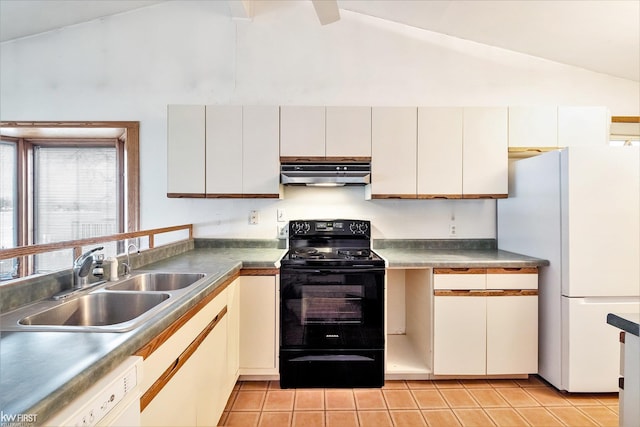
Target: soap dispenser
(113,268)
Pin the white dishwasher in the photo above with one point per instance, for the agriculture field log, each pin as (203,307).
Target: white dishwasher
(112,401)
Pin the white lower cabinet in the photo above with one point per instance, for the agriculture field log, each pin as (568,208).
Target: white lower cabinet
(512,335)
(482,329)
(211,363)
(187,379)
(258,325)
(233,334)
(177,393)
(460,335)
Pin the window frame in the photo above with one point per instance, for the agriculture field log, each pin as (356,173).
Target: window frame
(128,159)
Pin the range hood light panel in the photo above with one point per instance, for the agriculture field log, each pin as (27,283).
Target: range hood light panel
(325,184)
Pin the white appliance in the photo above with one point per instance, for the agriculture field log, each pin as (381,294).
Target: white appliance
(579,208)
(113,401)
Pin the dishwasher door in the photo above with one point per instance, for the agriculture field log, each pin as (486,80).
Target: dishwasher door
(112,401)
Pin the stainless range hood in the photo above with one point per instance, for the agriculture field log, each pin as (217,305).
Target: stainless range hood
(325,174)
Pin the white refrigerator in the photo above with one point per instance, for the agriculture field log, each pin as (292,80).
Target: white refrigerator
(579,208)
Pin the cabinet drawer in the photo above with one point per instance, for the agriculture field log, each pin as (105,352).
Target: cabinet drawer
(459,278)
(512,278)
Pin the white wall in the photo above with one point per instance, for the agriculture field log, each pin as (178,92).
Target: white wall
(130,66)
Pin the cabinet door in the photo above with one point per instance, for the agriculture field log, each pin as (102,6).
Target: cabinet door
(393,151)
(185,150)
(176,404)
(583,126)
(533,127)
(348,132)
(512,335)
(211,361)
(224,149)
(233,334)
(258,320)
(440,151)
(302,131)
(485,152)
(459,335)
(260,150)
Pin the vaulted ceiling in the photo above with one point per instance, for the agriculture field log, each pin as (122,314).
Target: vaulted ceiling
(597,35)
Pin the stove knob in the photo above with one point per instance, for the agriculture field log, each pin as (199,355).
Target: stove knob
(306,227)
(358,227)
(297,227)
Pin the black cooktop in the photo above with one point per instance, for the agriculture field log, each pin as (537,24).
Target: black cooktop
(331,243)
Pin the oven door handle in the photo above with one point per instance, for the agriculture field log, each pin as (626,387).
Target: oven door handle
(350,270)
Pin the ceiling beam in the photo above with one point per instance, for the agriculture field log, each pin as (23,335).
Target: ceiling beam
(327,11)
(241,9)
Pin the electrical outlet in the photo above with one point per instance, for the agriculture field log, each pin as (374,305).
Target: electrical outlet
(281,215)
(452,229)
(254,217)
(283,231)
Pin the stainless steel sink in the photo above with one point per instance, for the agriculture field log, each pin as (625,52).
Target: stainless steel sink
(164,282)
(115,310)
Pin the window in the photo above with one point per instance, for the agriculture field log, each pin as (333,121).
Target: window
(65,181)
(8,205)
(75,196)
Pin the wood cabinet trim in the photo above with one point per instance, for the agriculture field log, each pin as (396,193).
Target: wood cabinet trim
(439,196)
(261,196)
(625,119)
(166,376)
(185,195)
(393,196)
(259,272)
(224,195)
(146,350)
(513,270)
(459,270)
(486,293)
(485,196)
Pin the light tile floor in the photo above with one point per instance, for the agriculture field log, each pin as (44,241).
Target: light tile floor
(510,403)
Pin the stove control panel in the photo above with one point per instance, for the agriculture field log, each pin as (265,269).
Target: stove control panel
(333,227)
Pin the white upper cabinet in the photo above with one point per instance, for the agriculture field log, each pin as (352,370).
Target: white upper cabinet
(260,150)
(185,150)
(302,131)
(485,152)
(393,151)
(550,126)
(440,151)
(224,149)
(348,132)
(533,126)
(583,126)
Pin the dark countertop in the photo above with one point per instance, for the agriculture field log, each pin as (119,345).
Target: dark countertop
(41,372)
(628,322)
(452,258)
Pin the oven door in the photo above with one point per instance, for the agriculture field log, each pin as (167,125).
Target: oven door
(332,308)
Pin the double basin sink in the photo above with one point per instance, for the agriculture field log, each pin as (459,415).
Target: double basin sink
(114,307)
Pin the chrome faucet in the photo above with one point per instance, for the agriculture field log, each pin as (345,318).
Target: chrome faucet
(127,265)
(82,267)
